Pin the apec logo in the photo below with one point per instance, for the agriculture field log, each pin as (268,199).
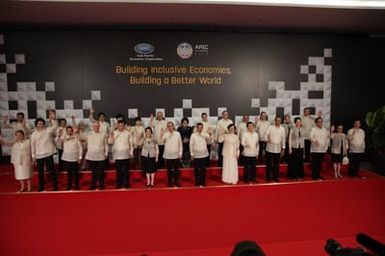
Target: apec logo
(144,52)
(185,50)
(144,48)
(201,49)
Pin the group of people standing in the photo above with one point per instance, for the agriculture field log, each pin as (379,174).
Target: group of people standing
(161,144)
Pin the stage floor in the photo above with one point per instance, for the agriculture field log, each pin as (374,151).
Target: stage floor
(286,218)
(8,184)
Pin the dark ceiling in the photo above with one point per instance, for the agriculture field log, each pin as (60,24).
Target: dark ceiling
(14,14)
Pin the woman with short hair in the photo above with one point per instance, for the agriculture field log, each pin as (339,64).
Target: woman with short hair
(339,149)
(149,153)
(21,159)
(230,156)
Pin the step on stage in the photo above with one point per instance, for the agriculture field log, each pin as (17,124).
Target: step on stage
(286,218)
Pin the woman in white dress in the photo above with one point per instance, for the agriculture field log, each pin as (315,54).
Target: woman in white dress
(21,159)
(230,154)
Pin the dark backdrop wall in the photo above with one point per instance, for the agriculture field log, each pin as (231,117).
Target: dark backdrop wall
(114,72)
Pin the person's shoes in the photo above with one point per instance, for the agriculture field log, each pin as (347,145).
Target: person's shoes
(148,185)
(102,188)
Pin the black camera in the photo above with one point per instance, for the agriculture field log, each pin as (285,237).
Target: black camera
(334,248)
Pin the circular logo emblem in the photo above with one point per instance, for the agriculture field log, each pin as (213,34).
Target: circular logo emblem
(184,50)
(144,48)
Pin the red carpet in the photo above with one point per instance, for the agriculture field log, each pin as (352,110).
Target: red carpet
(288,218)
